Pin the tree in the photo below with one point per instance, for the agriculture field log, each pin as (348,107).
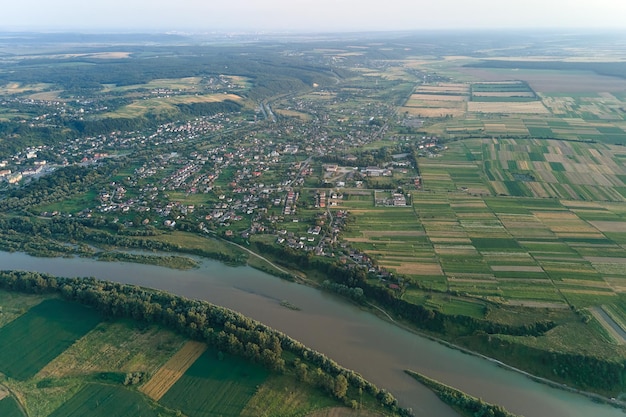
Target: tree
(341,386)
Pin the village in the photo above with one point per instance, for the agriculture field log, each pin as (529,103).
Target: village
(226,176)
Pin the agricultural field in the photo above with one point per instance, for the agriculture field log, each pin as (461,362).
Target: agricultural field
(115,347)
(9,407)
(108,400)
(526,222)
(173,370)
(121,367)
(215,385)
(167,105)
(32,340)
(440,100)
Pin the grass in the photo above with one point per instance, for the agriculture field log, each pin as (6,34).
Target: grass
(231,382)
(31,341)
(121,346)
(72,205)
(13,305)
(279,396)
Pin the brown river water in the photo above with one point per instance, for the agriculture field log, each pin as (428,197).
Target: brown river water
(353,338)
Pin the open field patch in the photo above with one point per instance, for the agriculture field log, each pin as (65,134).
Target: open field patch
(171,372)
(343,412)
(115,347)
(20,88)
(167,104)
(606,260)
(516,268)
(9,406)
(215,386)
(503,94)
(444,88)
(433,111)
(617,283)
(552,81)
(415,268)
(279,396)
(436,97)
(617,333)
(15,304)
(292,113)
(529,107)
(31,341)
(608,226)
(537,304)
(96,400)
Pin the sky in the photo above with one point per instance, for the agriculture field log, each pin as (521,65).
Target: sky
(306,15)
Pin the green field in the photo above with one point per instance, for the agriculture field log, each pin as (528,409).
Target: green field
(214,387)
(31,341)
(96,400)
(10,408)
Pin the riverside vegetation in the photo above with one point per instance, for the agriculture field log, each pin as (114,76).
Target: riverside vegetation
(239,348)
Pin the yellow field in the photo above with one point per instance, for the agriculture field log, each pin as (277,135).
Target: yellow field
(415,268)
(514,268)
(47,96)
(458,105)
(438,97)
(457,88)
(530,107)
(17,88)
(171,372)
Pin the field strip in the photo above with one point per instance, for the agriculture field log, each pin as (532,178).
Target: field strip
(609,325)
(604,260)
(173,369)
(537,304)
(516,268)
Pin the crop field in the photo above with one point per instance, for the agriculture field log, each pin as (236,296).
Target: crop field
(31,341)
(167,104)
(188,84)
(502,91)
(278,396)
(115,347)
(551,81)
(438,100)
(396,240)
(9,407)
(96,400)
(556,169)
(171,372)
(214,387)
(508,107)
(536,222)
(15,304)
(19,88)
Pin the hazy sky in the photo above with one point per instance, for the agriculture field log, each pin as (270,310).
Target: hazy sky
(307,15)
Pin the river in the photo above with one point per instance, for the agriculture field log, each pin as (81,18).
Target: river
(353,338)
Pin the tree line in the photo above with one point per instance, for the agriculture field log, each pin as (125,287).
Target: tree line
(224,329)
